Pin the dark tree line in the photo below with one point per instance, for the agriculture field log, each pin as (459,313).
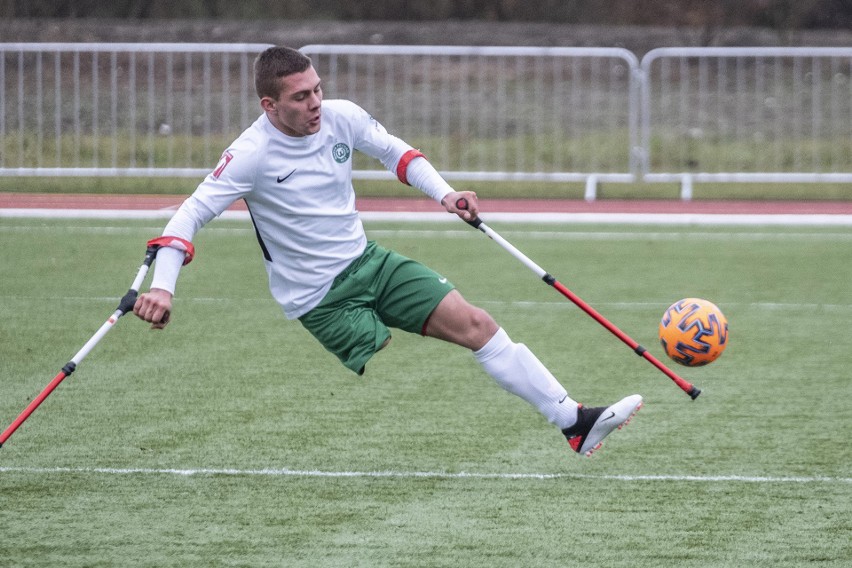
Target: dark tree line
(776,14)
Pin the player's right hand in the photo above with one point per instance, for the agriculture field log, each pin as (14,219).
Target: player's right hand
(462,203)
(155,307)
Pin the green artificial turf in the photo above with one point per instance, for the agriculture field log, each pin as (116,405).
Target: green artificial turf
(232,439)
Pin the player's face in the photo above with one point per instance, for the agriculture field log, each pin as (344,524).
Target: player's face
(298,109)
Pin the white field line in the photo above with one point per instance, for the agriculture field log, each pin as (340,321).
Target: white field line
(284,472)
(469,233)
(620,218)
(85,214)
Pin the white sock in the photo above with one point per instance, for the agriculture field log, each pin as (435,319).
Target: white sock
(518,370)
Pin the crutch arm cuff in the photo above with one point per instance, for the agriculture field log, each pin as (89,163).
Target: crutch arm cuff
(177,243)
(402,165)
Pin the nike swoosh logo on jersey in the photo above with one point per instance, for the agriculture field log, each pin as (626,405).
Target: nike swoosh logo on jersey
(281,179)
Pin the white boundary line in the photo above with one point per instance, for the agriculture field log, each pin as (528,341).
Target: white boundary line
(821,220)
(667,235)
(284,472)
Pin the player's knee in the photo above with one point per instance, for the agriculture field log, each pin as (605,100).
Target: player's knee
(480,319)
(458,321)
(482,326)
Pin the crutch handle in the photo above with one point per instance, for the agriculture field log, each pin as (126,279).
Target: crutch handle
(461,203)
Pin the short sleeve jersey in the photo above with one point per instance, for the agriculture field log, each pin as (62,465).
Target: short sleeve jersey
(300,197)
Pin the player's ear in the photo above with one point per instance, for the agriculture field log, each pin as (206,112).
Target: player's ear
(267,104)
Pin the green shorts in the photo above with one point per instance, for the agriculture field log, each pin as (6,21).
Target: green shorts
(379,290)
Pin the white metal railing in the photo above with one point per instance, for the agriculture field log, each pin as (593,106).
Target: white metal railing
(121,109)
(590,115)
(497,113)
(556,114)
(745,115)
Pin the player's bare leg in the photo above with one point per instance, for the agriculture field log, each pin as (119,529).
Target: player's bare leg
(457,321)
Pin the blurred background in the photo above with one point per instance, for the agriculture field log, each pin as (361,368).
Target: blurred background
(790,14)
(445,22)
(108,106)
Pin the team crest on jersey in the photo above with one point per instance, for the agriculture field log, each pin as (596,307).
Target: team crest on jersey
(340,152)
(223,161)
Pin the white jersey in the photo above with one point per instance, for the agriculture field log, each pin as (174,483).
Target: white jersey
(300,197)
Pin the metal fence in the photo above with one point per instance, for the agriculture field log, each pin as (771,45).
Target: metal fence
(746,115)
(685,115)
(91,109)
(497,113)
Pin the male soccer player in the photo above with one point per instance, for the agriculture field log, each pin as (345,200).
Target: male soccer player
(293,168)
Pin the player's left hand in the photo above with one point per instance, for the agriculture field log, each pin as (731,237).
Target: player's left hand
(467,199)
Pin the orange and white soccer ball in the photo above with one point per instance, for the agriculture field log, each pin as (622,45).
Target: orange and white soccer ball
(693,332)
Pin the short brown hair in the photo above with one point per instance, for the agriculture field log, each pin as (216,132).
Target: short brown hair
(274,63)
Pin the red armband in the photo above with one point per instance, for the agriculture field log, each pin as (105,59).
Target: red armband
(177,243)
(402,166)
